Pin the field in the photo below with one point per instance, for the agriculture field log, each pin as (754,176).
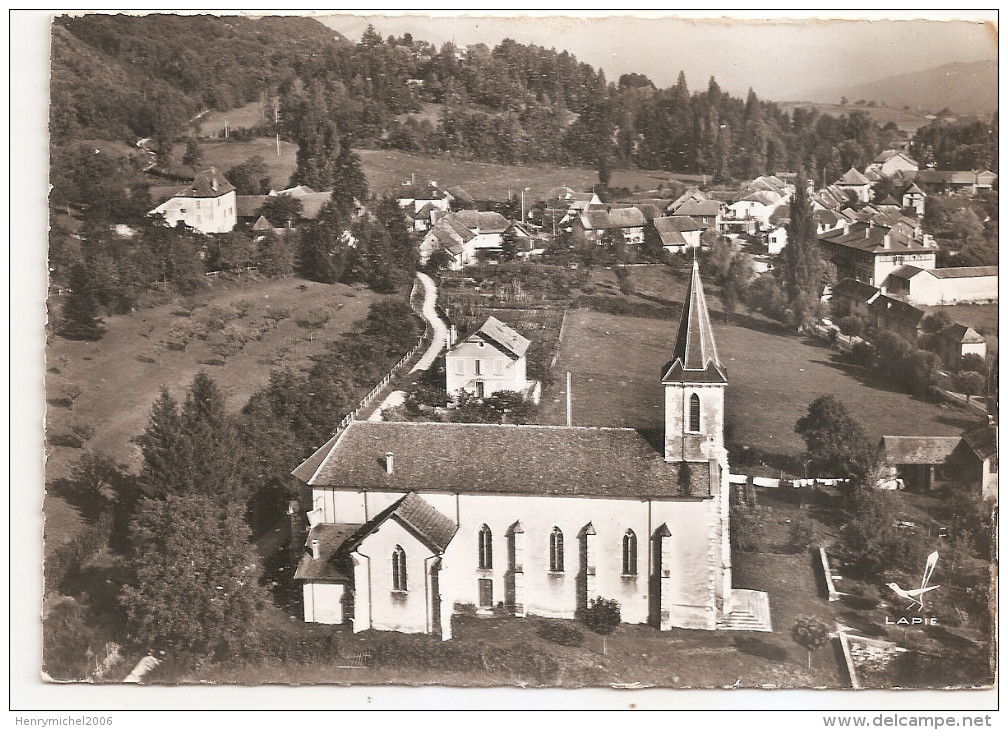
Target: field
(773,376)
(240,117)
(908,120)
(121,375)
(386,170)
(225,155)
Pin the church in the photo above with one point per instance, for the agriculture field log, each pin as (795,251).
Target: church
(410,523)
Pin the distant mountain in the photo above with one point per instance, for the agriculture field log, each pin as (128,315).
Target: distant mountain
(965,88)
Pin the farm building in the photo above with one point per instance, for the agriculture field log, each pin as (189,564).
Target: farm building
(968,460)
(956,341)
(206,205)
(944,286)
(411,522)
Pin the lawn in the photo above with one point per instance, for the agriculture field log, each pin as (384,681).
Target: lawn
(240,117)
(908,120)
(616,364)
(386,170)
(225,155)
(120,375)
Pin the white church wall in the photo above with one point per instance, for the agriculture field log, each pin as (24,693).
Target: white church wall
(680,443)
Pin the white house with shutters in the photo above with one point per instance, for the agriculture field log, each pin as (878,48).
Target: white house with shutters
(207,205)
(489,360)
(410,523)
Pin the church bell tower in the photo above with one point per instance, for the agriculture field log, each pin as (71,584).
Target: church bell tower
(694,381)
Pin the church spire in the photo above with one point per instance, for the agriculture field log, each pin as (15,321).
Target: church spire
(694,355)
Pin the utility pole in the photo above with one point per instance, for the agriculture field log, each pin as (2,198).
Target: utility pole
(278,144)
(225,129)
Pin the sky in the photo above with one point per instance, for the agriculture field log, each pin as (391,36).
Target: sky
(778,58)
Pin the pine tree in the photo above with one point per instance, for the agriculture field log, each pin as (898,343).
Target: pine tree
(80,312)
(162,446)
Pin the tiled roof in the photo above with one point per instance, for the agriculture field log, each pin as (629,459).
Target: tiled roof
(207,184)
(961,272)
(672,238)
(462,195)
(886,155)
(982,441)
(503,336)
(699,207)
(906,271)
(895,309)
(694,354)
(420,192)
(961,333)
(247,206)
(429,524)
(262,224)
(649,210)
(852,177)
(913,189)
(595,220)
(871,238)
(490,458)
(889,200)
(918,449)
(678,223)
(485,221)
(332,563)
(855,289)
(626,218)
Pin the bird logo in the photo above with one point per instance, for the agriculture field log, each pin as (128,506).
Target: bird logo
(916,596)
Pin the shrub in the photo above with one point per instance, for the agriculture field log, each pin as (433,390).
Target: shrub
(315,318)
(69,557)
(561,632)
(801,535)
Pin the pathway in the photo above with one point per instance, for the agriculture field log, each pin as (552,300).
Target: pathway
(439,332)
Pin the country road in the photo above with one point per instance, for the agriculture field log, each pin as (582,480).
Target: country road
(439,331)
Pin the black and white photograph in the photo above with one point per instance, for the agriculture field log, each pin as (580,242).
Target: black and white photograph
(630,352)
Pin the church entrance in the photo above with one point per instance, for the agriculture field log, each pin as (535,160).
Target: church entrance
(485,593)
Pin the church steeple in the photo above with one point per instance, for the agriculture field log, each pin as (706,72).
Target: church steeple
(694,354)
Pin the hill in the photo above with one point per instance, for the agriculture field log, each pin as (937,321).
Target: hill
(966,88)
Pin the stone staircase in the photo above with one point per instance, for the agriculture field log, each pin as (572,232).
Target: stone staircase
(750,612)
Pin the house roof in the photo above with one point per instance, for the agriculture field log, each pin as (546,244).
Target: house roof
(698,207)
(672,238)
(962,334)
(491,458)
(485,221)
(953,177)
(694,354)
(312,202)
(982,441)
(871,238)
(678,223)
(894,308)
(764,197)
(262,224)
(886,155)
(420,192)
(906,271)
(962,272)
(913,189)
(855,289)
(247,206)
(206,184)
(626,218)
(332,564)
(852,177)
(461,195)
(650,210)
(504,336)
(918,449)
(593,220)
(889,200)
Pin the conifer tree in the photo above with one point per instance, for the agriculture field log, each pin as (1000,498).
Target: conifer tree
(80,312)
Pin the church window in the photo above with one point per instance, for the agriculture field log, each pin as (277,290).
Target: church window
(479,368)
(485,547)
(629,553)
(398,569)
(556,551)
(694,412)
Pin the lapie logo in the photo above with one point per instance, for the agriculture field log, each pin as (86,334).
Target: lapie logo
(916,596)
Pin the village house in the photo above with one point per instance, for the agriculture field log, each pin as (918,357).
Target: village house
(982,445)
(487,229)
(776,240)
(956,341)
(452,237)
(871,252)
(678,233)
(420,201)
(853,296)
(489,360)
(206,205)
(410,523)
(856,184)
(755,207)
(891,314)
(890,162)
(914,198)
(629,222)
(923,462)
(955,181)
(944,286)
(707,212)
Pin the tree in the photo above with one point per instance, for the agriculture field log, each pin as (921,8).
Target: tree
(93,472)
(195,583)
(970,383)
(602,616)
(834,441)
(802,266)
(971,362)
(281,209)
(810,633)
(250,177)
(801,535)
(80,312)
(193,155)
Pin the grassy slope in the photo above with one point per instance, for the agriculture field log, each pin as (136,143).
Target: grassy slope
(121,374)
(772,378)
(908,120)
(240,117)
(386,170)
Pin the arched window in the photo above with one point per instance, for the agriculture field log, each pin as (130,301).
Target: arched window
(629,553)
(485,547)
(694,412)
(556,551)
(398,569)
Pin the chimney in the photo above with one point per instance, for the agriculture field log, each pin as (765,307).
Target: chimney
(388,462)
(886,241)
(846,228)
(315,552)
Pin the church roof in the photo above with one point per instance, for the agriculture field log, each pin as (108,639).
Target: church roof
(694,355)
(417,515)
(470,458)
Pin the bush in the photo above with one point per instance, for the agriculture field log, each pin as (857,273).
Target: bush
(560,632)
(69,557)
(801,535)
